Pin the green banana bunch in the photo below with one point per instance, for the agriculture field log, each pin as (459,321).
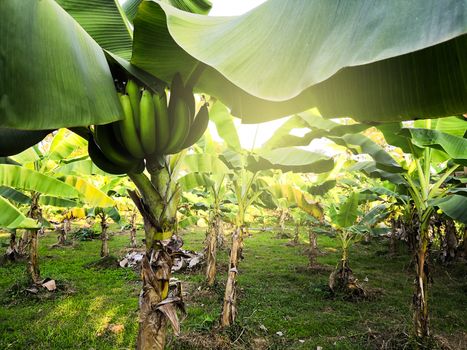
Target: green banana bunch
(104,163)
(151,128)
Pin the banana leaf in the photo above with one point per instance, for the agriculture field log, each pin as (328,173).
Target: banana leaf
(12,218)
(204,163)
(16,141)
(296,196)
(348,211)
(454,146)
(58,202)
(88,193)
(453,206)
(345,58)
(290,159)
(30,180)
(370,169)
(225,126)
(55,74)
(64,143)
(14,195)
(80,167)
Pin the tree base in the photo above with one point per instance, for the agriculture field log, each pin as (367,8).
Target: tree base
(342,281)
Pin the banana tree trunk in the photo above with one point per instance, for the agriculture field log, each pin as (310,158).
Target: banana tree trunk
(211,251)
(33,263)
(420,297)
(63,232)
(12,250)
(313,254)
(155,202)
(296,232)
(229,309)
(133,243)
(23,244)
(104,238)
(220,233)
(282,218)
(392,237)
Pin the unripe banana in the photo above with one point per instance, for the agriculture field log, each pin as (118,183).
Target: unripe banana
(162,121)
(128,129)
(180,125)
(147,131)
(132,90)
(198,127)
(107,142)
(101,160)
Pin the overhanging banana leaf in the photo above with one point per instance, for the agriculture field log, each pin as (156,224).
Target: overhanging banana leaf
(290,159)
(80,167)
(54,74)
(64,143)
(359,144)
(377,214)
(454,146)
(370,169)
(194,6)
(456,126)
(30,180)
(346,58)
(15,141)
(225,126)
(193,180)
(14,195)
(105,21)
(296,196)
(204,163)
(58,202)
(12,218)
(453,206)
(88,193)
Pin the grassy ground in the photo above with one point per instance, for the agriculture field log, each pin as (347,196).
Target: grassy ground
(277,294)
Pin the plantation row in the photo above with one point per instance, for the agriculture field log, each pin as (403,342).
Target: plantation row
(113,125)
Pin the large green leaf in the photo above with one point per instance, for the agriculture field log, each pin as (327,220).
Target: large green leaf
(454,146)
(14,195)
(348,211)
(79,167)
(346,58)
(15,141)
(370,169)
(454,206)
(204,163)
(64,143)
(225,126)
(290,159)
(12,218)
(452,125)
(193,180)
(58,202)
(296,196)
(88,192)
(359,144)
(53,74)
(30,180)
(105,21)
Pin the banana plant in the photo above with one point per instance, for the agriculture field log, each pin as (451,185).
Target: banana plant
(206,170)
(430,152)
(246,167)
(38,28)
(37,176)
(104,214)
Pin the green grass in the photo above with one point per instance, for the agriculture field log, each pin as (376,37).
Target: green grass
(277,294)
